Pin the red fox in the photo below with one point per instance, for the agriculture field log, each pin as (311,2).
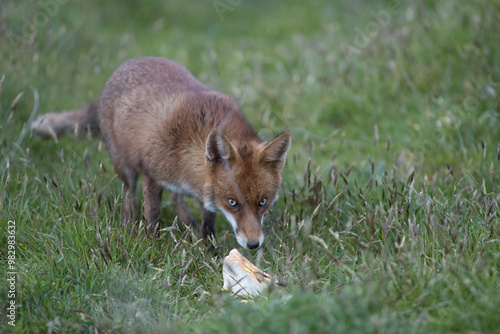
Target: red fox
(157,120)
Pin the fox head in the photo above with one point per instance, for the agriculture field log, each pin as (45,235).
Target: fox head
(244,182)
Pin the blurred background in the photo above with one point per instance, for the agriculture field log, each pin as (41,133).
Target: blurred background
(351,79)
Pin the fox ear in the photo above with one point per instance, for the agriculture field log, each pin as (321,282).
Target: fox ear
(218,148)
(274,152)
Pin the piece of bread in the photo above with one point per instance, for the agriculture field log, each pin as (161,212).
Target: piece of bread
(243,278)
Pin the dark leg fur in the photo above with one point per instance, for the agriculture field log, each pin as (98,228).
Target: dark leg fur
(183,210)
(152,204)
(129,211)
(208,224)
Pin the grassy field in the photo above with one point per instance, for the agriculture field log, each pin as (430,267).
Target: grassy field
(388,219)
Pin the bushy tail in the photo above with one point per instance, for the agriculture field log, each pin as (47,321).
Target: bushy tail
(78,122)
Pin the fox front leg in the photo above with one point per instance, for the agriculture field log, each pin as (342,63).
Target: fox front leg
(208,224)
(152,204)
(183,211)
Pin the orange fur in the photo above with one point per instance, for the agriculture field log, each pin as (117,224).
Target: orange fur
(158,121)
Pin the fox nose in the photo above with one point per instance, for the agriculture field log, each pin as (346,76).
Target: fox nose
(252,244)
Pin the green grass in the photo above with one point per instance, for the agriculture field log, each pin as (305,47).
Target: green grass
(388,220)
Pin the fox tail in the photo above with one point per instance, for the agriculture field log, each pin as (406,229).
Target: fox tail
(78,122)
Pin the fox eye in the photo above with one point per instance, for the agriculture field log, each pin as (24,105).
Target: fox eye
(232,202)
(263,202)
